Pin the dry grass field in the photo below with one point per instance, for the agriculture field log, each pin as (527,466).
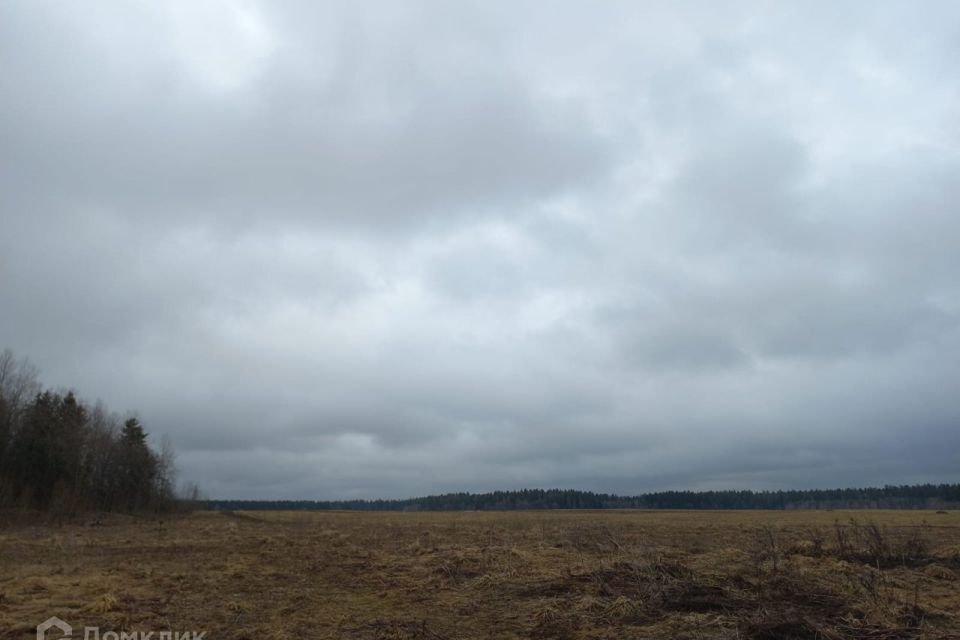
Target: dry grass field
(548,574)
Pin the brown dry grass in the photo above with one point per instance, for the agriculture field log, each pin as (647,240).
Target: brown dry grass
(610,574)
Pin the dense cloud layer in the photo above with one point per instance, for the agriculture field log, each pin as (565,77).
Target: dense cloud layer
(335,252)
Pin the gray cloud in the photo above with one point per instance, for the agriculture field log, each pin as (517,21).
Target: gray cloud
(335,253)
(373,140)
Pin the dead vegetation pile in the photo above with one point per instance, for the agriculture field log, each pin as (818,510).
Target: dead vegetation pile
(859,585)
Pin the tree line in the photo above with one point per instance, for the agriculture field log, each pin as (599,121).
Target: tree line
(922,496)
(61,454)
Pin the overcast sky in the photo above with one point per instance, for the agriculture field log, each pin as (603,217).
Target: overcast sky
(399,248)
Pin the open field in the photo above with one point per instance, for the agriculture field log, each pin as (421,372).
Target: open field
(547,574)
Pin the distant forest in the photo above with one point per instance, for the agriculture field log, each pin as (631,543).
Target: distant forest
(60,454)
(921,496)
